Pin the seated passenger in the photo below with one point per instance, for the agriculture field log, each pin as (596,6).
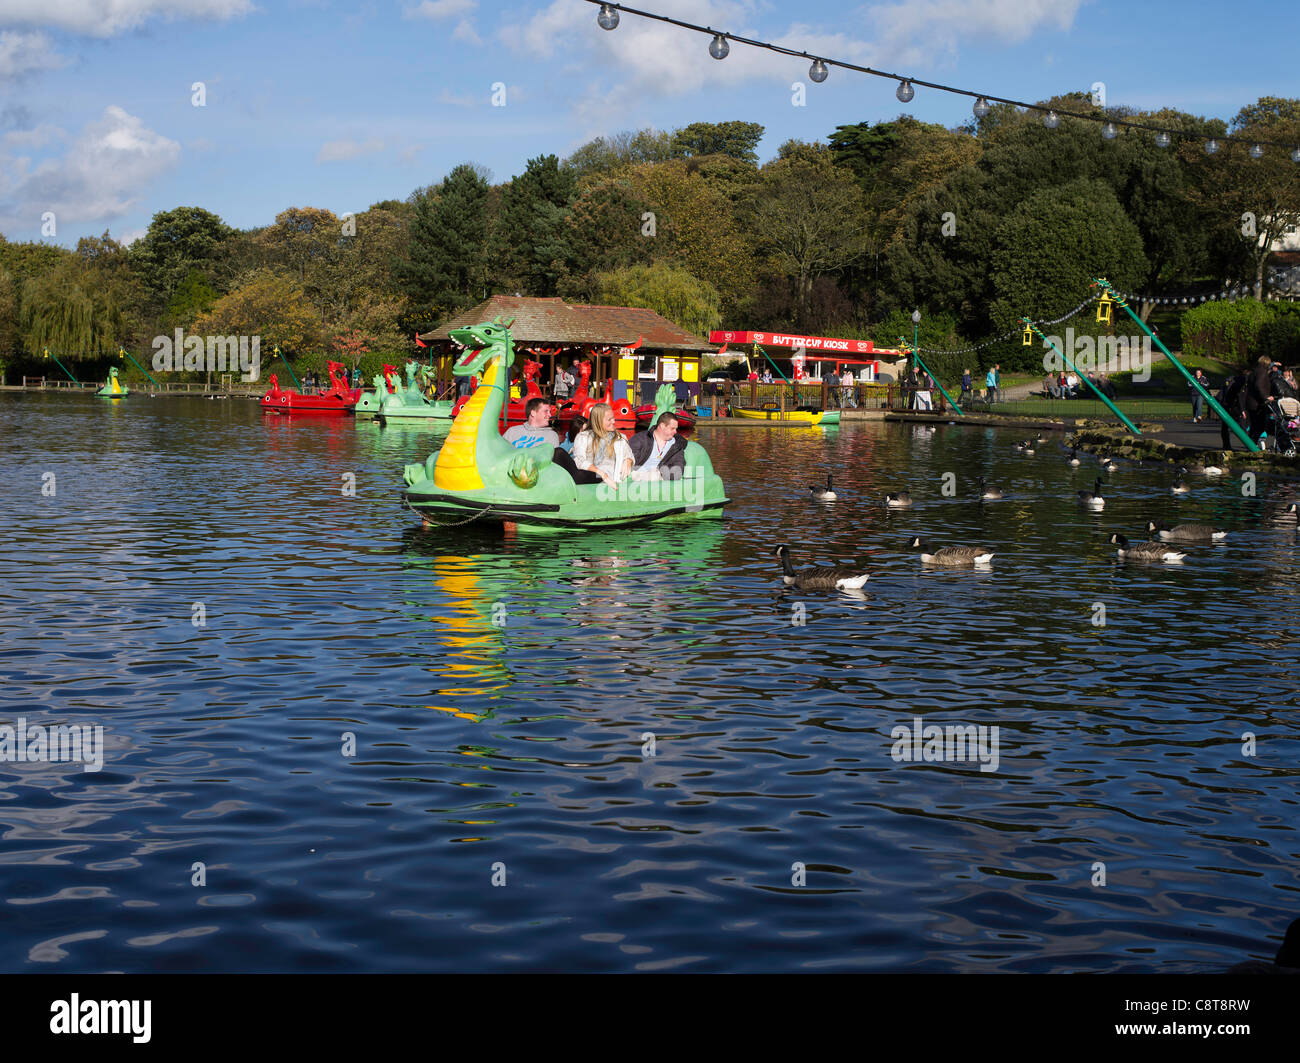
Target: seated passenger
(601,449)
(578,424)
(659,453)
(536,428)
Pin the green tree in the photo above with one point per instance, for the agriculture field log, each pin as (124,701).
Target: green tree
(193,296)
(668,290)
(530,244)
(1047,253)
(71,313)
(176,242)
(10,345)
(606,155)
(737,139)
(445,262)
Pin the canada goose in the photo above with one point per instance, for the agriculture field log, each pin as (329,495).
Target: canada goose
(1208,469)
(953,555)
(826,494)
(819,579)
(901,500)
(1186,532)
(1041,438)
(1145,551)
(1073,459)
(1092,498)
(1028,446)
(989,493)
(1287,514)
(1108,465)
(1178,487)
(1020,447)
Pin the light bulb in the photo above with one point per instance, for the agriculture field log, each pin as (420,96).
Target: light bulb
(1211,146)
(1163,139)
(981,108)
(905,92)
(1051,119)
(1110,131)
(718,47)
(1257,151)
(608,17)
(818,71)
(1295,155)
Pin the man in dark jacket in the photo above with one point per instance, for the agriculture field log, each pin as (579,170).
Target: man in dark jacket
(659,453)
(1230,398)
(1259,386)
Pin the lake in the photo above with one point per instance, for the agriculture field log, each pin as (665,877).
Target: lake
(661,758)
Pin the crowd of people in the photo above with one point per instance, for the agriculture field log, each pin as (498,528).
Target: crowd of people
(1250,398)
(594,451)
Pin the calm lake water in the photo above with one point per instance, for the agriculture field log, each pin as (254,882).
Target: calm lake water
(501,692)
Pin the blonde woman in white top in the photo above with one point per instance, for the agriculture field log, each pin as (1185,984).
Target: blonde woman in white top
(601,449)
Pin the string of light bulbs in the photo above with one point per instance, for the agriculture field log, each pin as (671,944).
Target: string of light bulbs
(719,47)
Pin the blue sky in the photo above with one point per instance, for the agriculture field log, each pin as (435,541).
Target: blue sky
(337,105)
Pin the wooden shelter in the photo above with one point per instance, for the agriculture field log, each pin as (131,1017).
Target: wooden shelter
(633,346)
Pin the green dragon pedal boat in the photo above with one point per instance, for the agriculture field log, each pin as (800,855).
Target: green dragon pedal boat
(113,389)
(410,403)
(478,477)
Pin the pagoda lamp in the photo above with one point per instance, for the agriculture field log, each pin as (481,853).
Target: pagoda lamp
(1104,308)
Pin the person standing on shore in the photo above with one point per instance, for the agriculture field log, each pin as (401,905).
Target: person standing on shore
(966,384)
(1198,400)
(991,381)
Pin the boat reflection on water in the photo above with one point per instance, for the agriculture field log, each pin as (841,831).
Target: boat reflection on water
(493,599)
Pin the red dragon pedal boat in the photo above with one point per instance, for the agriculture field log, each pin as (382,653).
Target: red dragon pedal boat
(338,399)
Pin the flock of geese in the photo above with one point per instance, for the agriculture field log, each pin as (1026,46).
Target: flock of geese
(1157,549)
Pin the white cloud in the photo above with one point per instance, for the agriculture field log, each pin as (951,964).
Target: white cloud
(342,150)
(451,99)
(465,31)
(38,137)
(440,9)
(23,53)
(913,31)
(644,59)
(105,18)
(102,174)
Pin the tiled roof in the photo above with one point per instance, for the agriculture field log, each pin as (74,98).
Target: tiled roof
(553,322)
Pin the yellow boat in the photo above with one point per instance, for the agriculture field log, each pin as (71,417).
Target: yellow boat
(773,414)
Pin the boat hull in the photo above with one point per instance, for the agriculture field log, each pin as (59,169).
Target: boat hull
(556,504)
(790,416)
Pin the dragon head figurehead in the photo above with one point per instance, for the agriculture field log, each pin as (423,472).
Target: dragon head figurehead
(482,343)
(474,454)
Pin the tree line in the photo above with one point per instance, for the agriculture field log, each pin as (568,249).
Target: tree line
(975,226)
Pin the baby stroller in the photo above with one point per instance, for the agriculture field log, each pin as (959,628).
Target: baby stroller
(1284,425)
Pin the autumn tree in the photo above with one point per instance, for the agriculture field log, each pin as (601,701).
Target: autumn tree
(1258,197)
(272,306)
(808,218)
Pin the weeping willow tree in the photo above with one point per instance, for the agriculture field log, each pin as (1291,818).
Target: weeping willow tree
(72,314)
(8,319)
